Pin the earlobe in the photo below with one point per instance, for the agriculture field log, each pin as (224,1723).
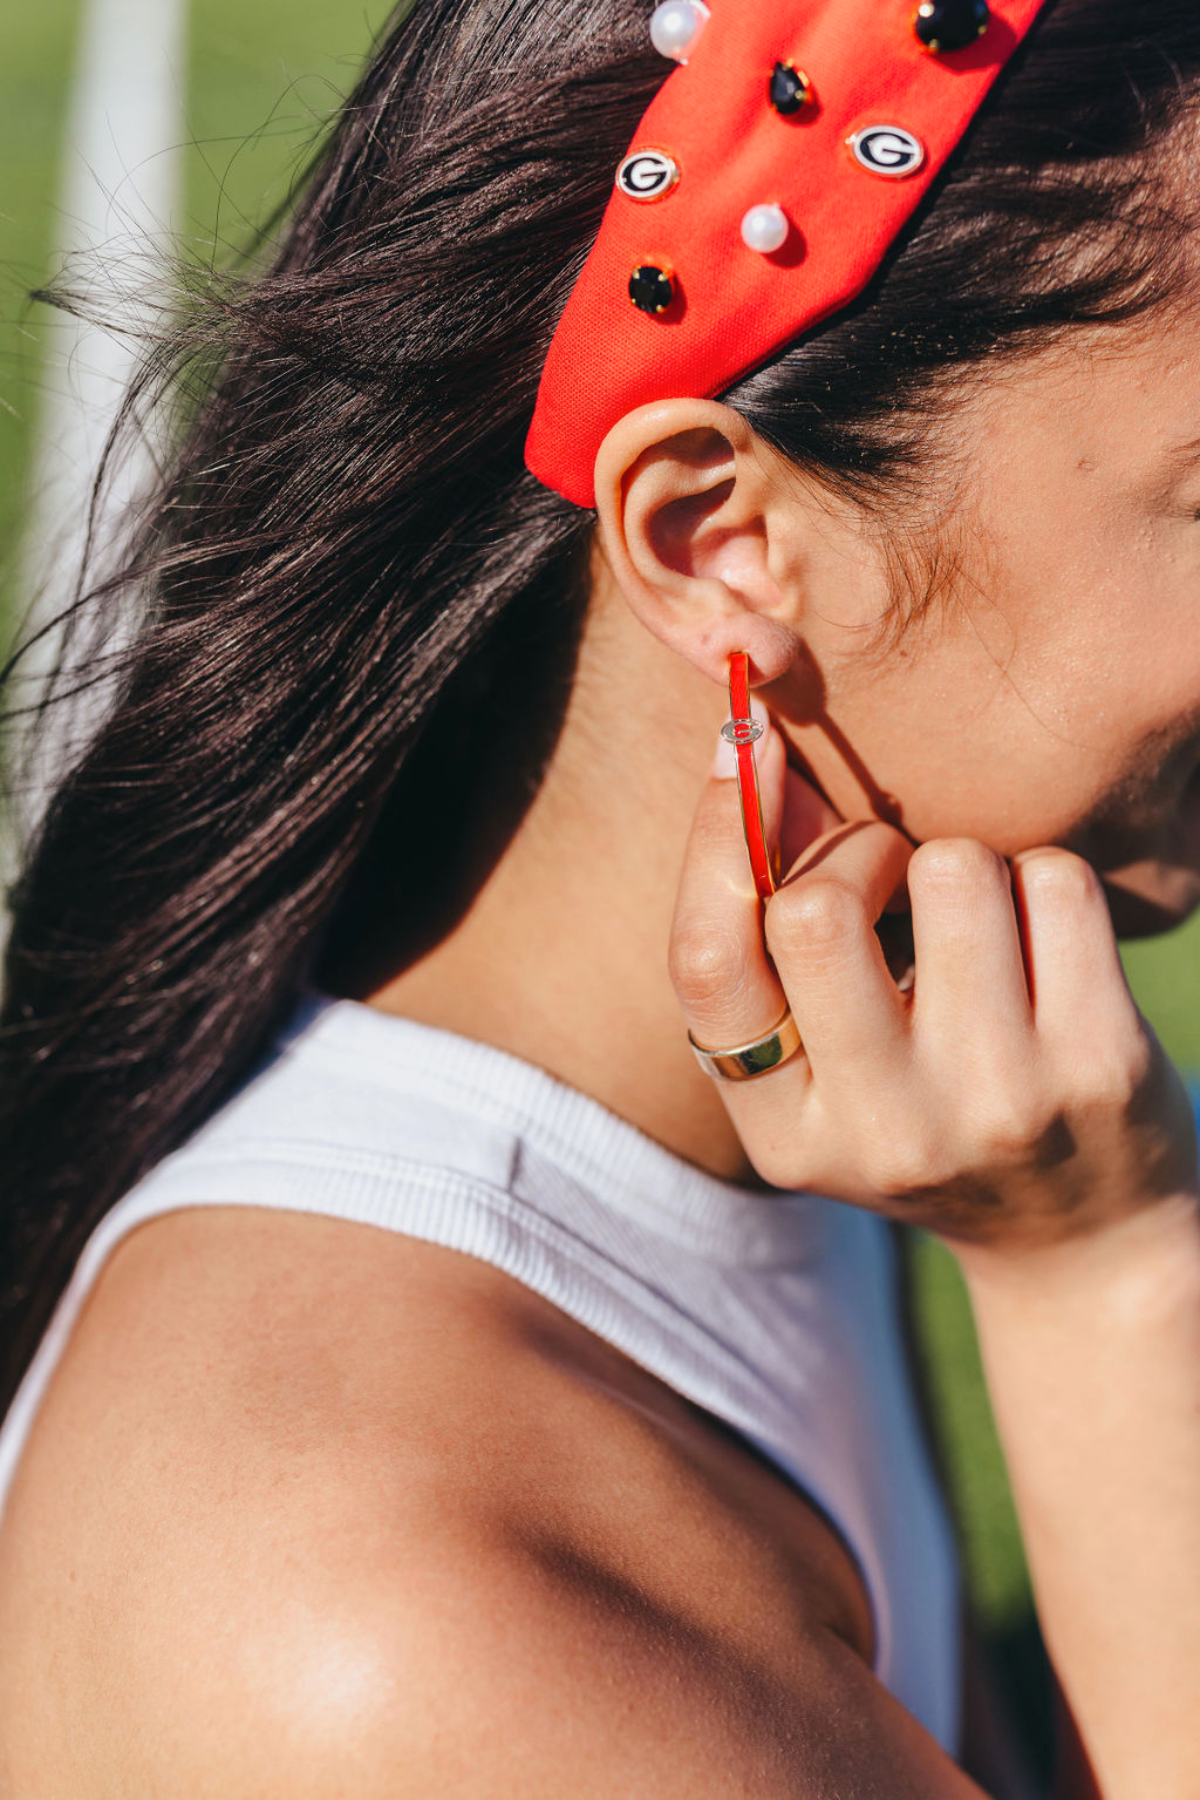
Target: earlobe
(685,521)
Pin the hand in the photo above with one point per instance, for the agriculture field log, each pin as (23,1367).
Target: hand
(1011,1094)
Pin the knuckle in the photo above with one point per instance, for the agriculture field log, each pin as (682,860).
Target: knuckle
(777,1165)
(1138,1065)
(1012,1127)
(816,915)
(908,1163)
(947,865)
(1112,1076)
(706,963)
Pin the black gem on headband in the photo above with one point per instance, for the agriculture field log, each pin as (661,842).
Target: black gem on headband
(650,288)
(729,307)
(950,24)
(789,88)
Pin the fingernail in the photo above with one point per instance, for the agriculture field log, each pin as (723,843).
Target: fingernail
(724,765)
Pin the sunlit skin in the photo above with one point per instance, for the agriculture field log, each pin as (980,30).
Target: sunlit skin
(416,1453)
(1054,697)
(1036,725)
(1049,693)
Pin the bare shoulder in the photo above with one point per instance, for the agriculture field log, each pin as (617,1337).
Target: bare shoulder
(316,1509)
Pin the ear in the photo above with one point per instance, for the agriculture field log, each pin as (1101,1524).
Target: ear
(693,527)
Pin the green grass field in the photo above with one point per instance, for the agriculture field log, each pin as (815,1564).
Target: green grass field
(261,78)
(263,74)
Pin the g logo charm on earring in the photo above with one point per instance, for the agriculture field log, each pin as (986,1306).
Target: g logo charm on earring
(743,731)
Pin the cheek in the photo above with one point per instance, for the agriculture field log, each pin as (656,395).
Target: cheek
(1098,617)
(988,775)
(1015,732)
(1063,670)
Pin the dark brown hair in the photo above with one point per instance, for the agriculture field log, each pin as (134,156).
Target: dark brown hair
(311,739)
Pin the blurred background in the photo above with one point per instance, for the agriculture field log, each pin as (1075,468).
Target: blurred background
(173,128)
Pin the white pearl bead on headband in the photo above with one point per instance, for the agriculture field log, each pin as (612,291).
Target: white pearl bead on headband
(759,193)
(675,26)
(765,228)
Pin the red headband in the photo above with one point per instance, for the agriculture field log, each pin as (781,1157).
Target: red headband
(810,129)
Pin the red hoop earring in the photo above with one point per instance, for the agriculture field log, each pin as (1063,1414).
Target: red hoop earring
(743,731)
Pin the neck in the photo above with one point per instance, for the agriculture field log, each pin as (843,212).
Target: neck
(562,958)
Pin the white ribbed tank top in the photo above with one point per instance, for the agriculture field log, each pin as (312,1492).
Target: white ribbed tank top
(777,1313)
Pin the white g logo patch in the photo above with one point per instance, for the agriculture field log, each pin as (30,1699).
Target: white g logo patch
(887,150)
(647,174)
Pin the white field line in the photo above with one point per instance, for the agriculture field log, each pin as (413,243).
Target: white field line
(119,204)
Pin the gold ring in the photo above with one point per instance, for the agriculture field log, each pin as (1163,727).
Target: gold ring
(745,1061)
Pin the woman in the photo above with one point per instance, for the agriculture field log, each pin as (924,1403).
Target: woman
(365,932)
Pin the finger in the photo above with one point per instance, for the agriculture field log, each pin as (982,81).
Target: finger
(820,931)
(719,967)
(807,816)
(1078,986)
(971,999)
